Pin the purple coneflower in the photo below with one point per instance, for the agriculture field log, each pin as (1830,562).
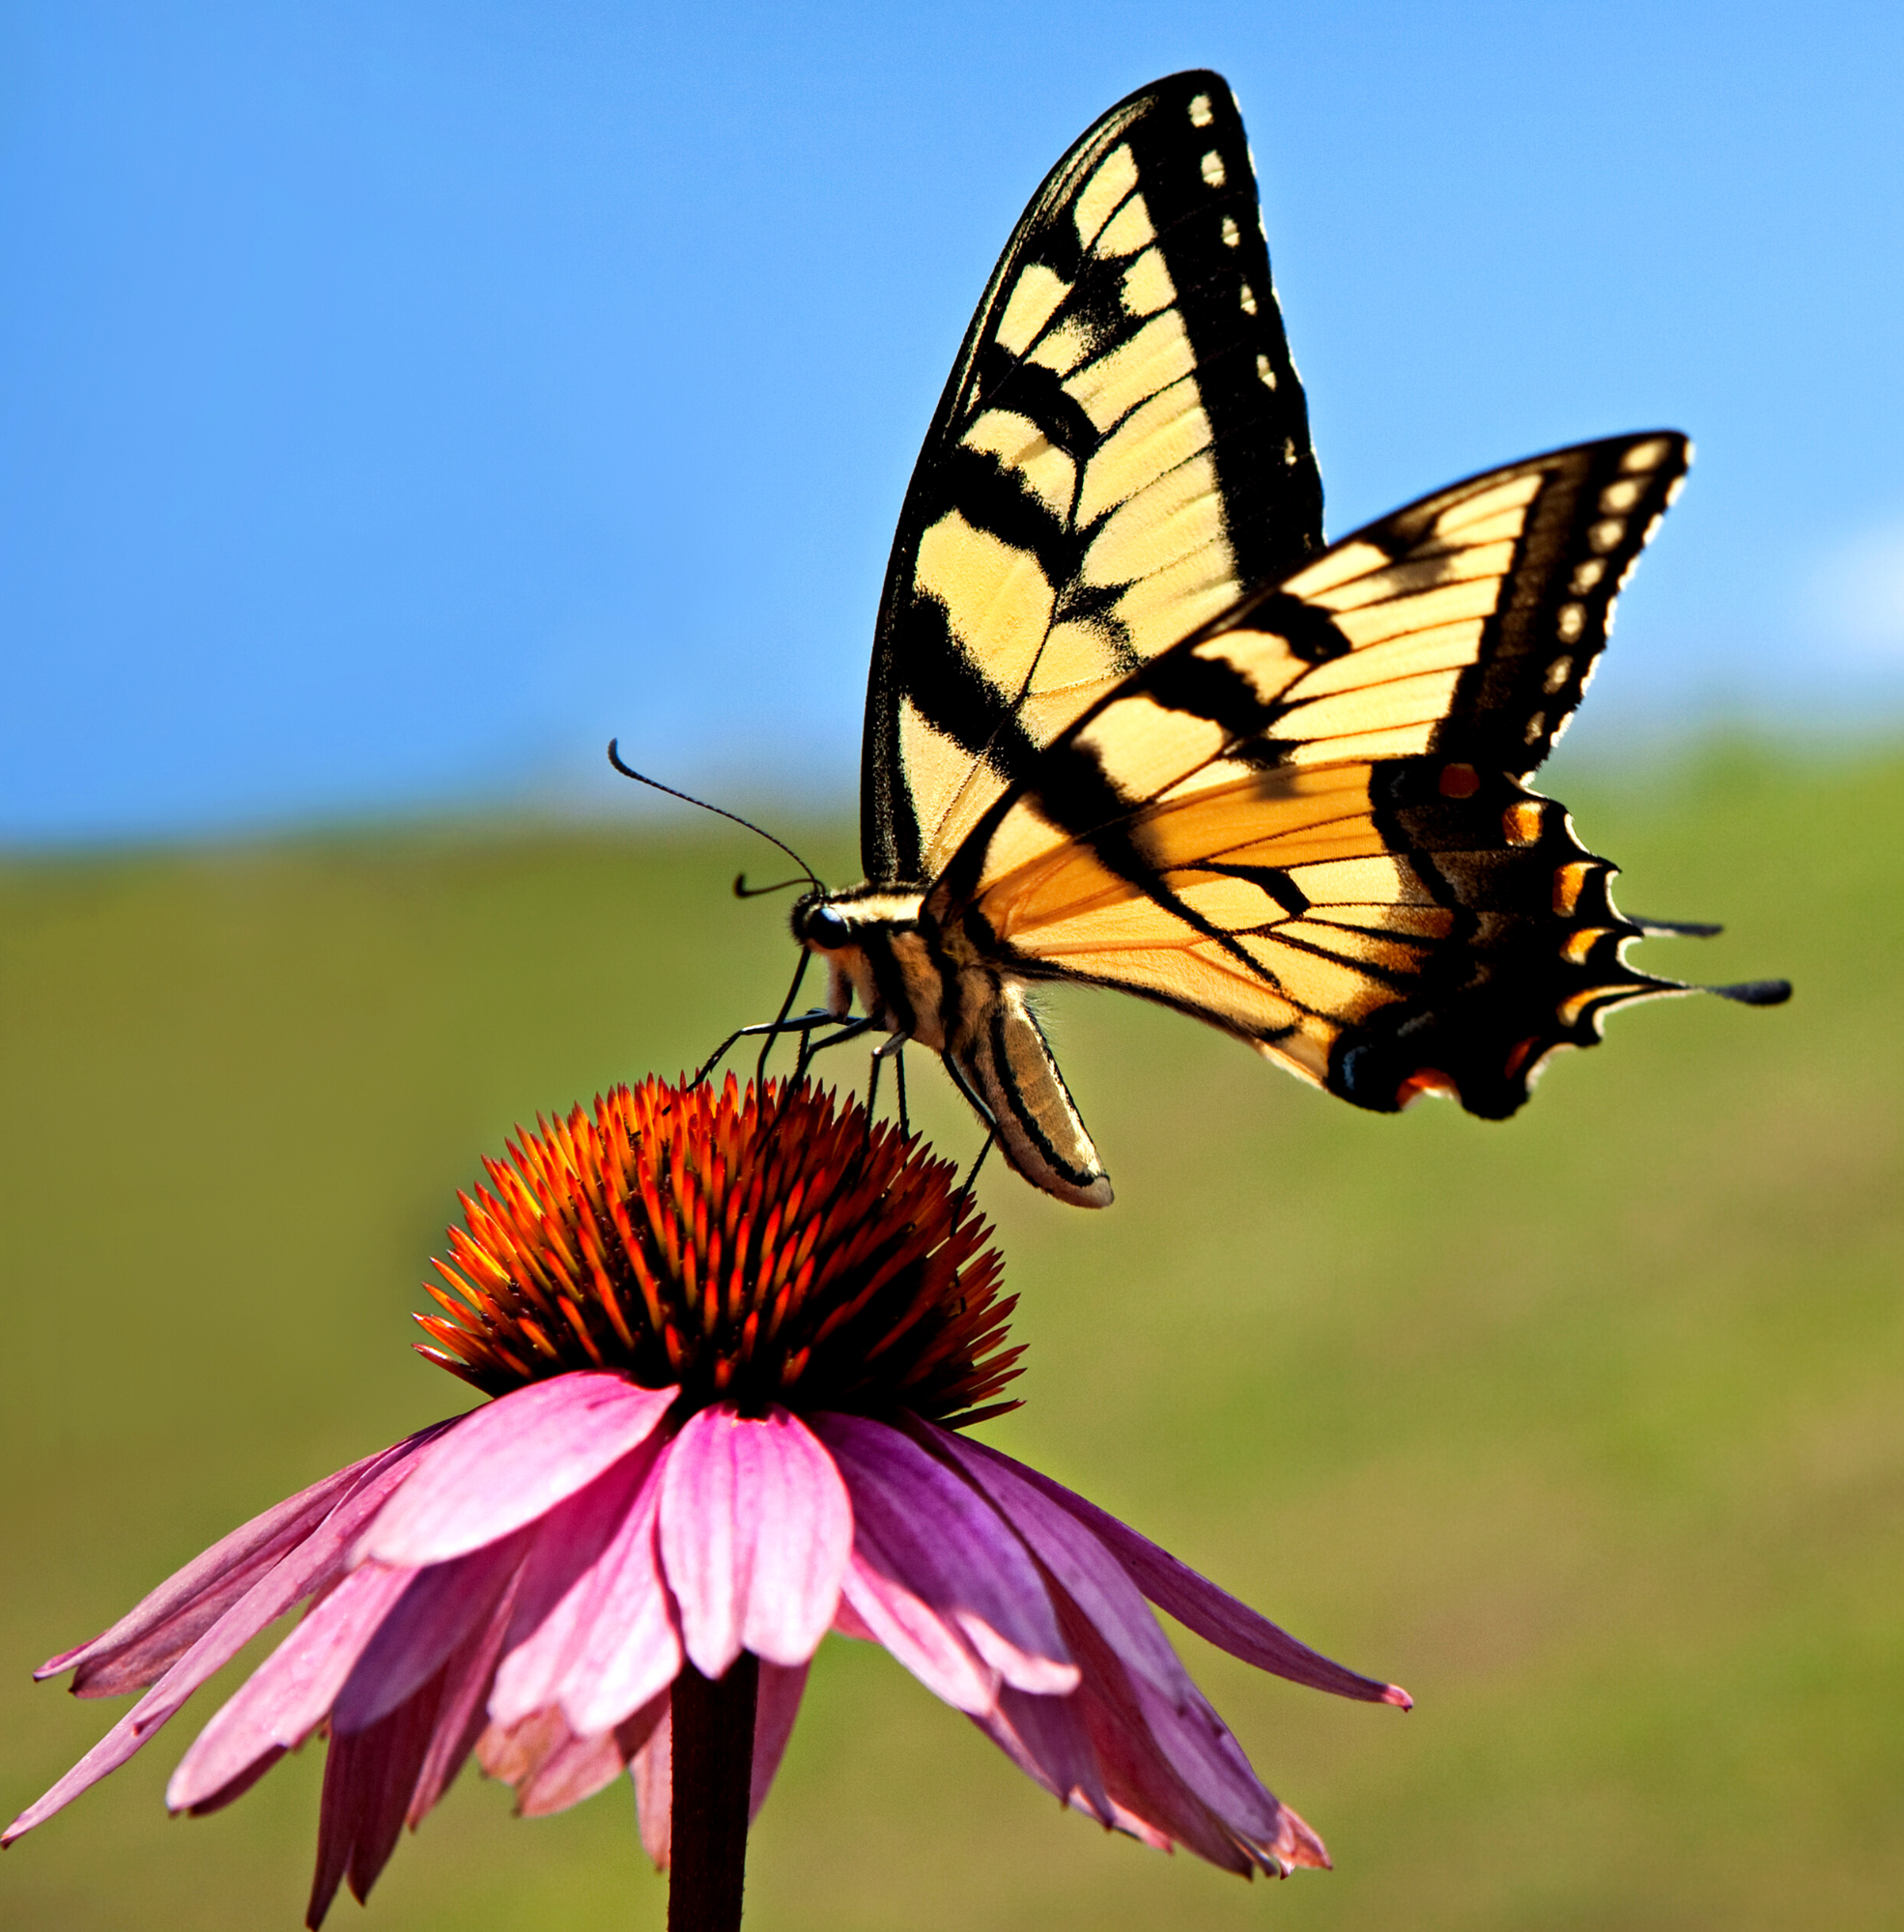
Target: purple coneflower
(731,1346)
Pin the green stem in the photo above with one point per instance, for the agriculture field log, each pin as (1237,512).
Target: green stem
(713,1752)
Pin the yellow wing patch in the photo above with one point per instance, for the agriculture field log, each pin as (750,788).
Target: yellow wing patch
(1344,930)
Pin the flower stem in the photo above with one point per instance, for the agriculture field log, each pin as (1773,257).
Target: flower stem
(712,1771)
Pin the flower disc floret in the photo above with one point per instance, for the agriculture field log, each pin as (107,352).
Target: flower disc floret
(769,1247)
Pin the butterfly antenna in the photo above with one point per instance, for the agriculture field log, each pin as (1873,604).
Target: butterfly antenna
(720,811)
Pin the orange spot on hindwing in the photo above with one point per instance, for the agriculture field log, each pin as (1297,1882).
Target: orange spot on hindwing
(1425,1080)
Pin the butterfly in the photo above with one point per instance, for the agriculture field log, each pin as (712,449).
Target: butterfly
(1132,722)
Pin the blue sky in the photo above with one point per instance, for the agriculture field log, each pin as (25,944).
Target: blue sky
(397,399)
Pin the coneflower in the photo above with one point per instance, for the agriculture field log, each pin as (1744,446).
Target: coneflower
(732,1343)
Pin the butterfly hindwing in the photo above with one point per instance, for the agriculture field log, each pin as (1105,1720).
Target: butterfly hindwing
(1306,823)
(1121,452)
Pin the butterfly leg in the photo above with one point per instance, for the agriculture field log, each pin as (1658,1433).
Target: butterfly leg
(849,1029)
(991,1137)
(890,1048)
(801,1023)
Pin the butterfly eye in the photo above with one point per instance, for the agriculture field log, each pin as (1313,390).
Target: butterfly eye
(826,929)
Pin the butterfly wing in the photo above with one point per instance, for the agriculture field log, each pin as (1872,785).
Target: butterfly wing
(1121,450)
(1307,822)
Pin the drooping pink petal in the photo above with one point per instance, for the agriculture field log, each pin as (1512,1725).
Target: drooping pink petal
(569,1540)
(775,1706)
(1174,1764)
(442,1605)
(314,1564)
(368,1778)
(608,1644)
(756,1530)
(506,1465)
(1046,1739)
(284,1698)
(229,1794)
(552,1768)
(1080,1563)
(918,1524)
(549,1767)
(459,1714)
(1204,1753)
(1195,1602)
(921,1639)
(848,1622)
(1148,1799)
(1192,1739)
(651,1771)
(1113,1620)
(164,1625)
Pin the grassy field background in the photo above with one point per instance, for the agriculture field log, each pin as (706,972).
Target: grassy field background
(1588,1428)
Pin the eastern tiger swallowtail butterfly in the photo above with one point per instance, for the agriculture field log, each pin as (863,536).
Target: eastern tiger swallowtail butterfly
(1130,723)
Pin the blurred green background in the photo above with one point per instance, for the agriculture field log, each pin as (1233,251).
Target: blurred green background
(1586,1428)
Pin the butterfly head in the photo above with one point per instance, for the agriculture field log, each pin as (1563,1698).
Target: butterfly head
(819,924)
(836,921)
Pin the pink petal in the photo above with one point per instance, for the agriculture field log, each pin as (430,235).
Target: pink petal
(460,1715)
(1113,1623)
(569,1541)
(508,1464)
(583,1767)
(651,1771)
(936,1652)
(442,1605)
(1173,1763)
(312,1566)
(567,1770)
(1080,1563)
(1200,1750)
(1196,1602)
(609,1644)
(552,1768)
(756,1530)
(229,1794)
(284,1698)
(161,1628)
(921,1527)
(368,1778)
(1046,1739)
(848,1622)
(1149,1799)
(777,1704)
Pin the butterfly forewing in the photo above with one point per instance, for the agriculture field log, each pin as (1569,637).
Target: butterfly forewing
(1306,822)
(1122,452)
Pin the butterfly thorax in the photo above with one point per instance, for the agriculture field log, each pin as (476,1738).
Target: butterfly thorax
(877,950)
(926,982)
